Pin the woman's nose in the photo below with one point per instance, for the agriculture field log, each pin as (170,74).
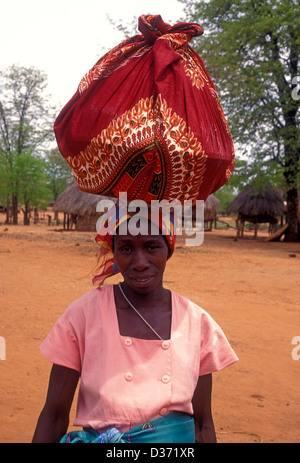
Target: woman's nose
(140,260)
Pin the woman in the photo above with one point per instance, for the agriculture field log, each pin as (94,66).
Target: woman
(145,355)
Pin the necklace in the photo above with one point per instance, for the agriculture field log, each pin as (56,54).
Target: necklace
(138,313)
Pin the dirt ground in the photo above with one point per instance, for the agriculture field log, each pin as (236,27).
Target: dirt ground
(251,288)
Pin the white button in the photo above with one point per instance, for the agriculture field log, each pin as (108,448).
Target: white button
(129,376)
(165,379)
(165,345)
(163,411)
(128,341)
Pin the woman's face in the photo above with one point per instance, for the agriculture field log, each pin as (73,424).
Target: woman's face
(141,260)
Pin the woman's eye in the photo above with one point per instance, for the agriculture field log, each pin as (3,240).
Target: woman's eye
(152,247)
(126,249)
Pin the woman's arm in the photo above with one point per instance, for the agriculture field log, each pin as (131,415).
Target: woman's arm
(54,418)
(204,426)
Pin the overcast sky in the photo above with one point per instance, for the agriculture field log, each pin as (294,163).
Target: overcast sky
(64,38)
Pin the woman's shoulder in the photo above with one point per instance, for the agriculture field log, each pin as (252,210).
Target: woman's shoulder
(91,300)
(185,302)
(194,310)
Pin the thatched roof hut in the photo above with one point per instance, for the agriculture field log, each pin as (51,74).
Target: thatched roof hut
(264,206)
(266,203)
(79,208)
(211,206)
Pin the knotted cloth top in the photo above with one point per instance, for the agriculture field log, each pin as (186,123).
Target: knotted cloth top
(146,120)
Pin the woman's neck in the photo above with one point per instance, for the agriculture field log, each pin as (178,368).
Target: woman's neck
(157,297)
(155,307)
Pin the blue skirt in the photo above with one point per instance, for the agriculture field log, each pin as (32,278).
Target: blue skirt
(176,427)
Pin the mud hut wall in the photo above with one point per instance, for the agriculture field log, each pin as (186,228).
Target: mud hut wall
(87,222)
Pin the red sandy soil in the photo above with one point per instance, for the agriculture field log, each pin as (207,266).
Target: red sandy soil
(250,287)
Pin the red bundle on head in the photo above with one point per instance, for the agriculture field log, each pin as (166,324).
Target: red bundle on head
(146,120)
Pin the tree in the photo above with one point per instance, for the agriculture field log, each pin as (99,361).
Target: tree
(26,120)
(34,191)
(228,192)
(251,49)
(58,172)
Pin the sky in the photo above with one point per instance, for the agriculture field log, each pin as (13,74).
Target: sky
(65,38)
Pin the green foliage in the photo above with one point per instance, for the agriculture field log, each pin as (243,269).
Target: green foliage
(25,113)
(58,172)
(26,121)
(225,195)
(251,50)
(34,192)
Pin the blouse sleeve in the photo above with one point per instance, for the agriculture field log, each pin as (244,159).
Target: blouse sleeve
(64,344)
(216,352)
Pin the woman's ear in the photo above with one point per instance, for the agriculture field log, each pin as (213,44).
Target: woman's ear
(170,253)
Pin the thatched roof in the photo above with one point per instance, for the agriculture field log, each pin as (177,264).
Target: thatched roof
(75,201)
(211,204)
(253,204)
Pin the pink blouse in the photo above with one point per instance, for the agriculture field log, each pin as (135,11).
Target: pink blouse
(125,380)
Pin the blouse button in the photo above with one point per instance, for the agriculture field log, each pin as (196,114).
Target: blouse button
(163,411)
(165,379)
(165,345)
(129,376)
(128,341)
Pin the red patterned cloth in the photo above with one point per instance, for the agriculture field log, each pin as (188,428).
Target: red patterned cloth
(146,120)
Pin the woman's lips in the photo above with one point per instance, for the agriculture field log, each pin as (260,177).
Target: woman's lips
(142,280)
